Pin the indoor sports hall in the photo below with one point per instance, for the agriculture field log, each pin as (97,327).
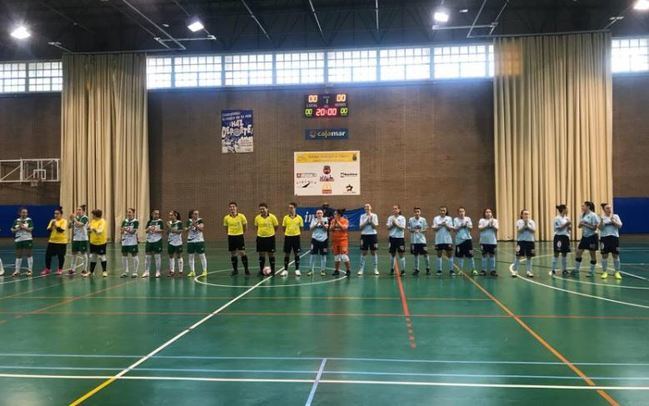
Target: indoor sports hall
(324,202)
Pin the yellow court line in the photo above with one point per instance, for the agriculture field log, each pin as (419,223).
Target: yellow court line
(547,345)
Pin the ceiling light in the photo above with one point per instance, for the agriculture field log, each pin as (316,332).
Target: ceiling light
(195,25)
(21,32)
(641,5)
(441,16)
(464,10)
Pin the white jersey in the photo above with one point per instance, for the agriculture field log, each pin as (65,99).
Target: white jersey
(442,234)
(367,229)
(319,231)
(79,232)
(592,219)
(151,227)
(194,234)
(463,228)
(175,239)
(21,233)
(525,232)
(396,232)
(608,229)
(417,227)
(488,231)
(560,227)
(129,236)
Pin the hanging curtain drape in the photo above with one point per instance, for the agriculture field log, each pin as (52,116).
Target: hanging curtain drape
(104,138)
(553,126)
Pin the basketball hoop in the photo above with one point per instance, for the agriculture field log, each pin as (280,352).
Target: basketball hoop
(34,182)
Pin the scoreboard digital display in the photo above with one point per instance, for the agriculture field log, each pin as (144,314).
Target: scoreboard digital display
(326,105)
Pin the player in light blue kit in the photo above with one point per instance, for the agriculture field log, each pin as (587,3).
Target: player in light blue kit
(369,223)
(610,233)
(319,242)
(488,227)
(463,240)
(396,226)
(443,225)
(561,240)
(417,226)
(589,224)
(525,229)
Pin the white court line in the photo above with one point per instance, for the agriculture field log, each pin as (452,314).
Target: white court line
(599,284)
(327,381)
(219,285)
(171,341)
(316,382)
(23,278)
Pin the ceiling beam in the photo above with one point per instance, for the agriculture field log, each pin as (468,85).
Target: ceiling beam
(254,17)
(317,21)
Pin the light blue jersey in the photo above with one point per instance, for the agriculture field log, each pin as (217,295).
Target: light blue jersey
(417,227)
(591,219)
(525,231)
(608,228)
(463,228)
(319,229)
(369,228)
(442,234)
(561,226)
(396,232)
(488,229)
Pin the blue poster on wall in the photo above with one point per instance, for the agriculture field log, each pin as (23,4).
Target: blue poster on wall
(353,215)
(236,131)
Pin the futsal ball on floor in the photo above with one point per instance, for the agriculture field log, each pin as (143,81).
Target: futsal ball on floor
(266,271)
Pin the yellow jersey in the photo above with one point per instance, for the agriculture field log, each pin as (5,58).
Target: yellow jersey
(98,232)
(235,223)
(56,236)
(292,225)
(266,225)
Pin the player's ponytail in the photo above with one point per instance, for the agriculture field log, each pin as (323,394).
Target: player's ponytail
(83,207)
(590,205)
(604,205)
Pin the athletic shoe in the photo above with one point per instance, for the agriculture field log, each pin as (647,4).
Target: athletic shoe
(493,273)
(170,274)
(415,272)
(452,273)
(514,273)
(427,271)
(391,271)
(298,273)
(204,274)
(565,273)
(16,273)
(157,274)
(618,275)
(590,274)
(180,274)
(574,273)
(335,273)
(134,275)
(28,273)
(247,272)
(359,273)
(84,273)
(309,273)
(45,272)
(438,273)
(552,273)
(474,273)
(483,273)
(235,273)
(376,272)
(59,271)
(192,274)
(403,272)
(604,275)
(323,273)
(71,271)
(104,274)
(283,273)
(124,275)
(2,270)
(145,274)
(348,273)
(529,274)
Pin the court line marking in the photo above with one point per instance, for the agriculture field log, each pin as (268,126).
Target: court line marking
(22,278)
(329,381)
(361,298)
(169,342)
(404,305)
(316,382)
(541,340)
(219,285)
(599,284)
(389,360)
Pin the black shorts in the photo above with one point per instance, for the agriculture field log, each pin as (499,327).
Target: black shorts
(98,249)
(488,249)
(397,245)
(418,249)
(236,243)
(266,244)
(319,247)
(561,244)
(525,249)
(444,247)
(464,250)
(589,243)
(369,242)
(292,244)
(610,245)
(54,249)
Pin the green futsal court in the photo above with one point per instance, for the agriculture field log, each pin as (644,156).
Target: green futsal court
(324,341)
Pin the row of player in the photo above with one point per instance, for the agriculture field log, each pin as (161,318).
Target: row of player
(89,235)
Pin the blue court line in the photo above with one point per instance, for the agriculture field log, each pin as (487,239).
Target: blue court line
(395,360)
(314,387)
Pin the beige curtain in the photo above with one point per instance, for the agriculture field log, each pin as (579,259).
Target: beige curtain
(104,139)
(553,125)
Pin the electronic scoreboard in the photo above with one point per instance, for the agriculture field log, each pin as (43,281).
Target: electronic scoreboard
(326,105)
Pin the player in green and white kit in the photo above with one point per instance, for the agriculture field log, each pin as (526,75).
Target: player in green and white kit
(129,242)
(175,243)
(154,229)
(196,243)
(79,225)
(22,228)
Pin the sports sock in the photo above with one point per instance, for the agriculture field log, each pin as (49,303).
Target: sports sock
(517,262)
(125,263)
(323,262)
(402,263)
(440,263)
(272,264)
(147,262)
(286,261)
(592,266)
(616,264)
(362,263)
(554,263)
(244,261)
(158,262)
(180,264)
(416,261)
(235,263)
(492,263)
(192,262)
(528,264)
(483,263)
(604,264)
(427,262)
(297,261)
(564,263)
(30,263)
(136,263)
(172,265)
(577,264)
(203,259)
(18,264)
(375,261)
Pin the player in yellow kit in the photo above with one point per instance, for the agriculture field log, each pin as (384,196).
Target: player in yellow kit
(57,244)
(98,239)
(266,224)
(235,225)
(292,224)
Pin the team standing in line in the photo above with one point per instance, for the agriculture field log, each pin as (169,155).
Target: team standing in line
(89,241)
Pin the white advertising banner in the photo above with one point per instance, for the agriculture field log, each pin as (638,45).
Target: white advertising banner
(327,173)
